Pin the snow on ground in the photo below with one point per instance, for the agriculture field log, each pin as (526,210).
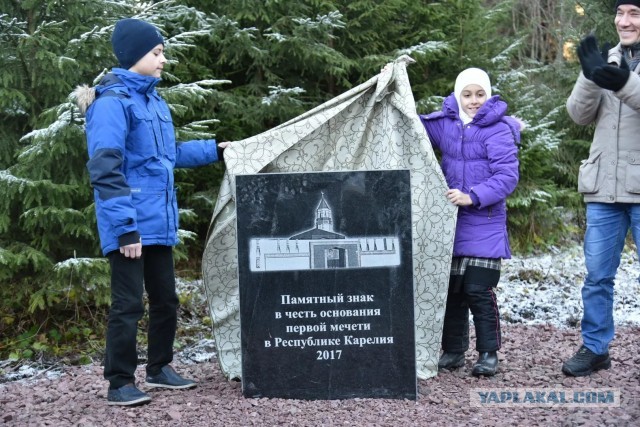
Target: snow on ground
(28,370)
(547,289)
(533,290)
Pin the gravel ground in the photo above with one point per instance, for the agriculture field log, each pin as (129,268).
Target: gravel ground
(540,305)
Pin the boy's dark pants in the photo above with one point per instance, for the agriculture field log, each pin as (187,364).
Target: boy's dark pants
(154,271)
(481,299)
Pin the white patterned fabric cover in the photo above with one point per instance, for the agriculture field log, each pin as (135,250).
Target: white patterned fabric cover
(373,126)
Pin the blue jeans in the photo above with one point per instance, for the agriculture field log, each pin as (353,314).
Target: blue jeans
(607,227)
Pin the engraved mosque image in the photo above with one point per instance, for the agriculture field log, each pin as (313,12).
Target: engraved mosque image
(322,248)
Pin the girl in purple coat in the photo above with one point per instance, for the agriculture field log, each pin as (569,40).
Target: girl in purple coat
(478,143)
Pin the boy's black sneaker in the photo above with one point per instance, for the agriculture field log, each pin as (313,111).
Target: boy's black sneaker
(127,395)
(169,378)
(450,360)
(585,362)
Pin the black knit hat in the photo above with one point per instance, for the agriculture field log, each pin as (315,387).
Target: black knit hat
(631,2)
(132,39)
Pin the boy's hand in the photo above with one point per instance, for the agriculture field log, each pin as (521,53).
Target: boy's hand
(132,251)
(220,149)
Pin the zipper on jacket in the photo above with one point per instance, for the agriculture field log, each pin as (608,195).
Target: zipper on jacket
(490,211)
(169,208)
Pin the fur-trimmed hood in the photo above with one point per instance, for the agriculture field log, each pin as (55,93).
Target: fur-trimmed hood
(119,82)
(84,95)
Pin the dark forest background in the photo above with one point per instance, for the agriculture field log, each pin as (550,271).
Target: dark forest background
(237,68)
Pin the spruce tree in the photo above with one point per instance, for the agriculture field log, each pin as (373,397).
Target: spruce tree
(241,67)
(50,260)
(539,69)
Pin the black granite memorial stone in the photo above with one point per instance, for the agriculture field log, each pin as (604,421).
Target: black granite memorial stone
(326,285)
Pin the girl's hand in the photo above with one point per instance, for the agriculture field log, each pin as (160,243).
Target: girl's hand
(459,198)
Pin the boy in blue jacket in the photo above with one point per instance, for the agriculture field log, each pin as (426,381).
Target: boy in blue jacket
(133,151)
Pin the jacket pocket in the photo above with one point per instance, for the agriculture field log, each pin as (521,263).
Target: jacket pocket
(151,210)
(588,174)
(632,175)
(168,137)
(141,141)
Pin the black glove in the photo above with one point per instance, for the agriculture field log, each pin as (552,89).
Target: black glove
(589,55)
(611,77)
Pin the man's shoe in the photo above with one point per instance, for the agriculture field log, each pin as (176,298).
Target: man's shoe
(486,365)
(127,395)
(168,378)
(584,362)
(450,360)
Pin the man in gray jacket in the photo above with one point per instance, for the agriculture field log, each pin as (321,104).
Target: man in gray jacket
(607,93)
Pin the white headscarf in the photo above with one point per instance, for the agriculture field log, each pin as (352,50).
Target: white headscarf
(471,76)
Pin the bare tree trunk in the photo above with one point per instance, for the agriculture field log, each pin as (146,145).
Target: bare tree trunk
(544,21)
